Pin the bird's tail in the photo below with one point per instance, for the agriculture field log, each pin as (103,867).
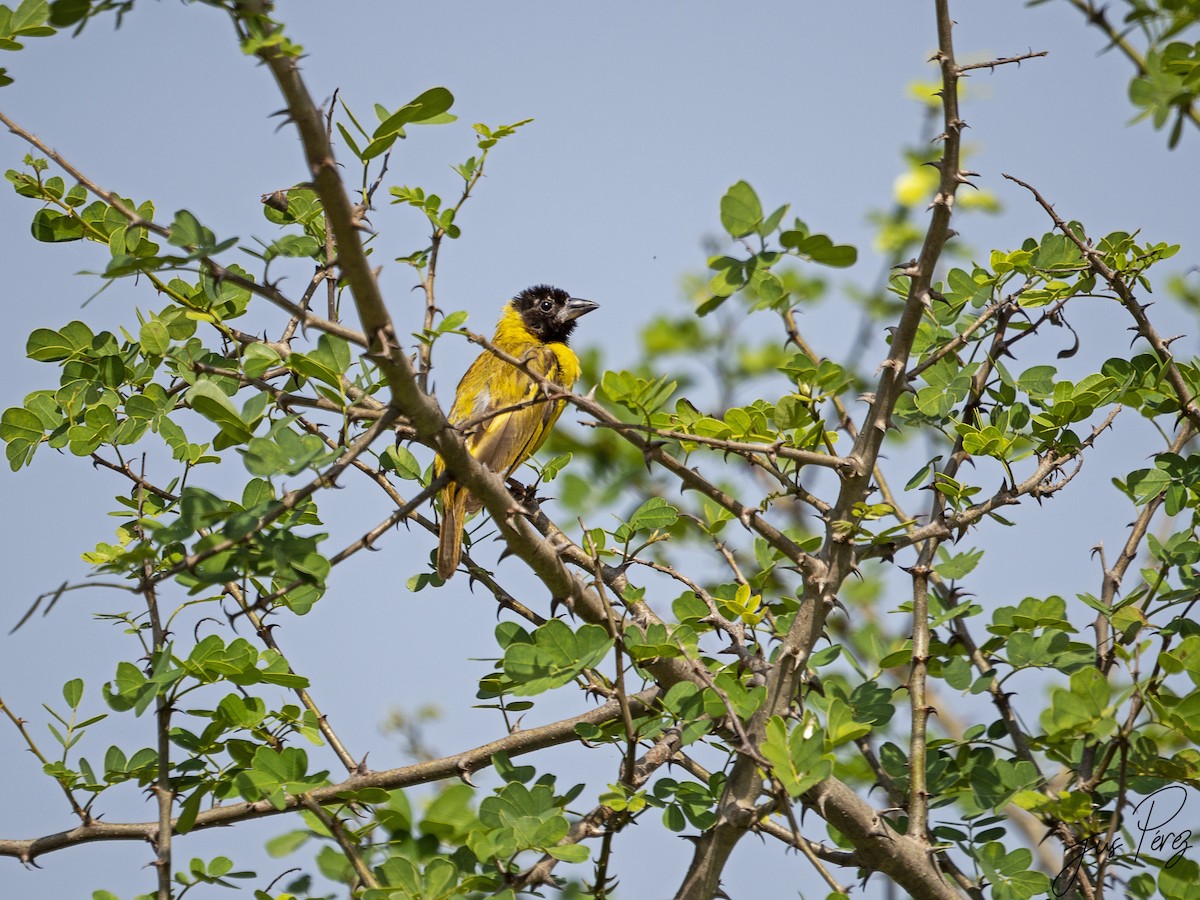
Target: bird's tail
(454,509)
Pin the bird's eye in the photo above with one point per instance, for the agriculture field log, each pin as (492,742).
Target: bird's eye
(547,305)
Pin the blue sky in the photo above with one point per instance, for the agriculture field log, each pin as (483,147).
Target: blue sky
(644,115)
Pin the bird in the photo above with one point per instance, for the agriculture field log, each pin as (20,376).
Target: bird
(500,400)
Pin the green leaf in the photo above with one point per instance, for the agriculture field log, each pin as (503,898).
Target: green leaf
(798,758)
(186,231)
(22,431)
(154,338)
(399,459)
(212,403)
(294,245)
(73,692)
(655,513)
(283,451)
(820,248)
(258,358)
(1082,710)
(430,105)
(741,211)
(276,773)
(1145,485)
(574,853)
(191,806)
(452,321)
(327,363)
(1037,381)
(350,142)
(957,566)
(46,345)
(29,14)
(710,305)
(556,655)
(65,13)
(287,843)
(52,226)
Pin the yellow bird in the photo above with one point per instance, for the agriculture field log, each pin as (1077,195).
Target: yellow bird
(534,327)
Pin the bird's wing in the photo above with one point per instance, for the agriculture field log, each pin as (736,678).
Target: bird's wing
(508,438)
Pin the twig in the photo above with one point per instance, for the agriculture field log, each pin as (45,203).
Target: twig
(1036,485)
(345,842)
(330,244)
(918,799)
(616,633)
(57,593)
(1004,61)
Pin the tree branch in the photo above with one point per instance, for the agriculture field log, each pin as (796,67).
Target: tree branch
(458,765)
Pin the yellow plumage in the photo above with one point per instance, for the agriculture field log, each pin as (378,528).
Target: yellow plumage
(534,327)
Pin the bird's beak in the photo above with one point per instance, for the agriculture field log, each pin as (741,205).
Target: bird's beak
(576,308)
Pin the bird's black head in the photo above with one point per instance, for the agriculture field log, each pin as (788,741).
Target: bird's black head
(549,312)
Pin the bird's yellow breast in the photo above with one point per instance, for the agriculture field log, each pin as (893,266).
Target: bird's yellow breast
(515,339)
